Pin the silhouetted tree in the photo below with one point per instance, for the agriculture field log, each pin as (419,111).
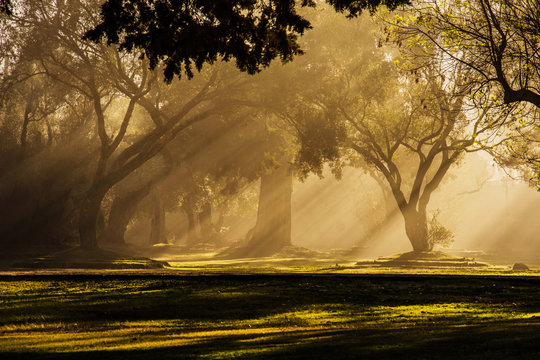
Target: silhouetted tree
(410,122)
(253,33)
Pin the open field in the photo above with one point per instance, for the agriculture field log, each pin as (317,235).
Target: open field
(295,316)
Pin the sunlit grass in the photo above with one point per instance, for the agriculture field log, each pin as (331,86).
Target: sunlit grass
(309,322)
(254,267)
(261,317)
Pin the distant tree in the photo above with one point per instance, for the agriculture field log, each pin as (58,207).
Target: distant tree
(35,100)
(44,150)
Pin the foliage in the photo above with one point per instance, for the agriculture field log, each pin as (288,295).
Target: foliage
(438,234)
(251,32)
(189,34)
(6,7)
(498,41)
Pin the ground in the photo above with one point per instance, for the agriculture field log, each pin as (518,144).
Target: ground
(248,312)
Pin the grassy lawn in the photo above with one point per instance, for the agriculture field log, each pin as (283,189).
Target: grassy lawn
(269,317)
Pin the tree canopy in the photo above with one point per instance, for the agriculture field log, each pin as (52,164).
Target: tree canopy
(498,39)
(6,7)
(187,34)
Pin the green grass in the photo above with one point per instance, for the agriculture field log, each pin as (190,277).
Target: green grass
(269,317)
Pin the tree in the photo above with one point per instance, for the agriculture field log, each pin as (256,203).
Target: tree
(109,79)
(410,122)
(45,146)
(497,39)
(252,32)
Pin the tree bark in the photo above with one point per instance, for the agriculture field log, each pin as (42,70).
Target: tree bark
(157,224)
(208,230)
(24,131)
(123,208)
(272,232)
(192,236)
(416,228)
(88,217)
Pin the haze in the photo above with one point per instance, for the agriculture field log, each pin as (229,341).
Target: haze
(370,144)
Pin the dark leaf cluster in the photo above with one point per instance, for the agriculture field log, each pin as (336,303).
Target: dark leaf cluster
(321,138)
(6,7)
(184,35)
(354,8)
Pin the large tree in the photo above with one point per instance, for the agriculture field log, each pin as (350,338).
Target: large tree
(117,85)
(411,121)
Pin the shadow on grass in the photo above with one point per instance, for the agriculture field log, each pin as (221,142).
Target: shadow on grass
(240,298)
(504,341)
(200,304)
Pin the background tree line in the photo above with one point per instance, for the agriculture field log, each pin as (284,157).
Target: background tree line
(102,122)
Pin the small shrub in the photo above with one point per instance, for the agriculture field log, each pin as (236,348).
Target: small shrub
(438,234)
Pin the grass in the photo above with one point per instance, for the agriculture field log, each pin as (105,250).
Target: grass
(295,316)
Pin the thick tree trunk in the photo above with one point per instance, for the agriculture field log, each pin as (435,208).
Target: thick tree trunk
(157,224)
(123,209)
(272,231)
(88,217)
(192,236)
(416,228)
(208,230)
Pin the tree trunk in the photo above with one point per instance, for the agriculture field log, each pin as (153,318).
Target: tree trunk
(416,228)
(272,231)
(157,224)
(88,217)
(192,236)
(205,222)
(123,208)
(24,131)
(49,133)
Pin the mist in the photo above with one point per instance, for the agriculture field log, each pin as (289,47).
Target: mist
(357,149)
(269,179)
(491,214)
